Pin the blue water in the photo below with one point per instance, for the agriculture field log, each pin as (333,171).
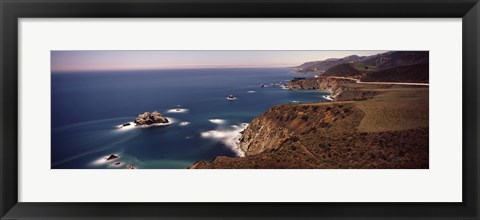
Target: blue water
(87,109)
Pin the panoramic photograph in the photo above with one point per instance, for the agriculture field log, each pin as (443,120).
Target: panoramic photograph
(239,109)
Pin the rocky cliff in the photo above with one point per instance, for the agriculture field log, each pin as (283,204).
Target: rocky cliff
(388,129)
(286,123)
(335,85)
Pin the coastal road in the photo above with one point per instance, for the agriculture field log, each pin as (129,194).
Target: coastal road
(381,83)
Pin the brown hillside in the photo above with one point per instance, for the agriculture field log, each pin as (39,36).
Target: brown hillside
(417,73)
(386,130)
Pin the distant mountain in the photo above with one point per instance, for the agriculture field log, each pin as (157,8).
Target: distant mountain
(416,73)
(397,58)
(396,66)
(355,70)
(322,65)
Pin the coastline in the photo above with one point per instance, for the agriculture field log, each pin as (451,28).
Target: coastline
(347,113)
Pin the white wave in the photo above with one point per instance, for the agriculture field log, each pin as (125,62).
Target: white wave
(178,110)
(184,123)
(117,163)
(133,125)
(217,121)
(251,91)
(228,136)
(327,97)
(170,121)
(295,101)
(103,159)
(121,162)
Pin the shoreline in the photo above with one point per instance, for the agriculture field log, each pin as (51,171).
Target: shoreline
(264,136)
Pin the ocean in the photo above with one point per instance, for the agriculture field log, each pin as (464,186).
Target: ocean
(88,109)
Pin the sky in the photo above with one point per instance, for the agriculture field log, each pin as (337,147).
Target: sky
(104,60)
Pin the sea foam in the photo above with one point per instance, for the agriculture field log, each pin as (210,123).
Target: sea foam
(178,110)
(132,124)
(228,136)
(184,123)
(123,160)
(327,97)
(170,121)
(103,159)
(217,121)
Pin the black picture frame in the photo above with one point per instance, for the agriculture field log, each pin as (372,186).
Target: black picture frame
(12,10)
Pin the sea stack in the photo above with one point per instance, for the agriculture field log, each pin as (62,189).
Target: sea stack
(111,157)
(148,118)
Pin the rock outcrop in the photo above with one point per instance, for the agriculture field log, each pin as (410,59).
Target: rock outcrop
(342,89)
(333,84)
(264,132)
(112,157)
(148,118)
(284,123)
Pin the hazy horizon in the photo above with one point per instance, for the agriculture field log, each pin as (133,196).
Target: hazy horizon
(122,60)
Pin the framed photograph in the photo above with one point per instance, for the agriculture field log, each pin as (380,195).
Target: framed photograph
(251,110)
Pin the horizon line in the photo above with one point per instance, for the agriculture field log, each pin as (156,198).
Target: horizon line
(86,64)
(172,68)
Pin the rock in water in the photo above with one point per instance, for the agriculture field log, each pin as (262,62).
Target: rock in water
(148,118)
(112,157)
